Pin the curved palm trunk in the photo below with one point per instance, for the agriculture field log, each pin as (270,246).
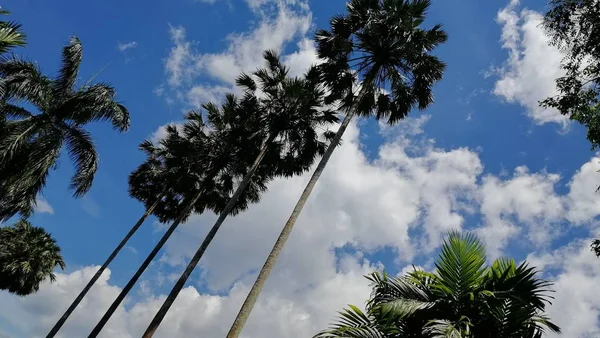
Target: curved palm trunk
(92,281)
(162,312)
(244,312)
(113,307)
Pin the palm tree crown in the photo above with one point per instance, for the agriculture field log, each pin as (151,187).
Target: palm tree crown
(28,255)
(462,298)
(31,143)
(292,110)
(381,44)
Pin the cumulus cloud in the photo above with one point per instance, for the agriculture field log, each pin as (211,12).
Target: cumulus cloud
(526,199)
(532,66)
(42,206)
(196,77)
(577,301)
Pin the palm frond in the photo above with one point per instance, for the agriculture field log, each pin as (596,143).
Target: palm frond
(461,263)
(67,75)
(95,103)
(23,80)
(8,110)
(11,35)
(82,152)
(353,323)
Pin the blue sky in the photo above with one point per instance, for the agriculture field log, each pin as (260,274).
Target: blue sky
(484,157)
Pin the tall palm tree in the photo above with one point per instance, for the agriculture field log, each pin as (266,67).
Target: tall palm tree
(462,298)
(11,34)
(28,255)
(203,162)
(30,143)
(291,111)
(381,44)
(157,188)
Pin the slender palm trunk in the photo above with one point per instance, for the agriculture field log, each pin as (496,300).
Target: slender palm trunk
(162,312)
(92,281)
(113,307)
(244,312)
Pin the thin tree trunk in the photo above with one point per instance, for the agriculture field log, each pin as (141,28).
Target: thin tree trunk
(113,307)
(162,312)
(92,281)
(244,312)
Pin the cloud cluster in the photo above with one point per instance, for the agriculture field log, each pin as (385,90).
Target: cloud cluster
(532,65)
(194,77)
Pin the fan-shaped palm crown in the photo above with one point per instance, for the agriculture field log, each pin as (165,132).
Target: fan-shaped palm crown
(380,43)
(463,298)
(201,156)
(292,113)
(30,144)
(28,255)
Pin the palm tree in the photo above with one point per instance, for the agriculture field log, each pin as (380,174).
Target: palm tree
(462,298)
(11,34)
(154,186)
(28,255)
(291,111)
(202,163)
(30,144)
(381,44)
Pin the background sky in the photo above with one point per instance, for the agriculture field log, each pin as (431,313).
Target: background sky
(484,158)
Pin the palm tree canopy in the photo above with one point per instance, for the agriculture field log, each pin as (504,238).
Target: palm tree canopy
(381,44)
(213,150)
(462,298)
(28,255)
(209,156)
(292,110)
(31,143)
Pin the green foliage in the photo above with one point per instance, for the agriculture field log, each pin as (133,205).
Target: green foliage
(462,298)
(28,255)
(574,26)
(381,44)
(30,143)
(11,34)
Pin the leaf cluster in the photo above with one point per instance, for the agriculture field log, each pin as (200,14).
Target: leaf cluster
(462,298)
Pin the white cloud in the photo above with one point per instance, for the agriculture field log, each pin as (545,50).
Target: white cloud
(525,202)
(406,199)
(125,46)
(42,206)
(583,199)
(179,64)
(196,77)
(577,300)
(532,65)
